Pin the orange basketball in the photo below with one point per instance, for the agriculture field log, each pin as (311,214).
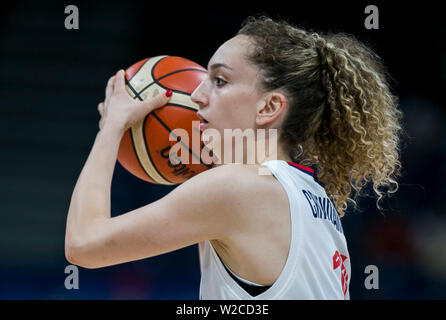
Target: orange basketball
(144,149)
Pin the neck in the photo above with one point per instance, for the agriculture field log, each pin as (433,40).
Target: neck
(279,154)
(275,152)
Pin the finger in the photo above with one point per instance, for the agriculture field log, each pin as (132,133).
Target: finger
(119,84)
(159,101)
(109,89)
(101,108)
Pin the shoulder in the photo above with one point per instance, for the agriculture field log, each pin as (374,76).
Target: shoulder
(230,180)
(227,189)
(237,189)
(225,198)
(218,185)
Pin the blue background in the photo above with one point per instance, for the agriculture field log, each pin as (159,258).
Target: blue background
(51,80)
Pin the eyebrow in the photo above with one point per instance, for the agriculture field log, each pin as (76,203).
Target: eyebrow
(218,65)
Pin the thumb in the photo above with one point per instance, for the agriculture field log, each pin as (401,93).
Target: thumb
(160,100)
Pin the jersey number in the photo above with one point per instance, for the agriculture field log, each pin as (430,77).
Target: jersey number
(338,261)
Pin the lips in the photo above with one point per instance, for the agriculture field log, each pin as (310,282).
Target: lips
(202,119)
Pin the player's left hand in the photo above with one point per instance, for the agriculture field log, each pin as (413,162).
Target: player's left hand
(120,110)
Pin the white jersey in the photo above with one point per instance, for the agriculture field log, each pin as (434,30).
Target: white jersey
(318,263)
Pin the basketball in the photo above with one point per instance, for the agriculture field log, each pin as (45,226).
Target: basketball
(144,148)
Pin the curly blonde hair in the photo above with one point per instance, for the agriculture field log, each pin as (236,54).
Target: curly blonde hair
(343,119)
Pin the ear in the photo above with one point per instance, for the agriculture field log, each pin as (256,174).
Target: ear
(270,108)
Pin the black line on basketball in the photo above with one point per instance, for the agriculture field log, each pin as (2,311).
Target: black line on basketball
(175,136)
(140,68)
(156,63)
(137,157)
(156,80)
(167,75)
(182,106)
(147,147)
(133,90)
(192,109)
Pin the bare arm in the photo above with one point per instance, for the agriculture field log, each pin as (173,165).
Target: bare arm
(90,201)
(195,211)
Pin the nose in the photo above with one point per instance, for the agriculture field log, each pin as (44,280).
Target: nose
(199,95)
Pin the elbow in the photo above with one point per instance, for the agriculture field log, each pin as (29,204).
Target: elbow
(72,256)
(77,254)
(69,256)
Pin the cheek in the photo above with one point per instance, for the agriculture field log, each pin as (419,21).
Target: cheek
(237,109)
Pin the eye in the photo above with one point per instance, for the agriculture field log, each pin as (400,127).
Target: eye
(219,82)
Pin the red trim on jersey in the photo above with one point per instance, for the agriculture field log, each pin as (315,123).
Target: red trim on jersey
(301,167)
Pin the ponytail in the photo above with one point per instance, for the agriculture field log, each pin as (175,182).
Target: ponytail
(343,119)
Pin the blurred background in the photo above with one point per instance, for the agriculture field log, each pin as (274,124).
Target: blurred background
(51,80)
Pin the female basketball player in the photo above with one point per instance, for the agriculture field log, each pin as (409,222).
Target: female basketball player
(274,236)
